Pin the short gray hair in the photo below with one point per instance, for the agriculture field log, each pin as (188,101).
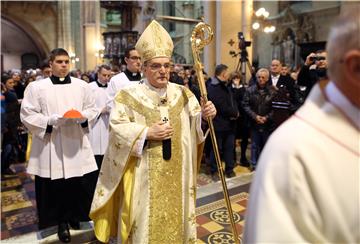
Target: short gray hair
(343,37)
(263,70)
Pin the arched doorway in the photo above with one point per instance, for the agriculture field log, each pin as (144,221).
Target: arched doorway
(17,45)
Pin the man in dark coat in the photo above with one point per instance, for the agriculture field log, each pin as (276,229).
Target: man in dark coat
(224,122)
(257,104)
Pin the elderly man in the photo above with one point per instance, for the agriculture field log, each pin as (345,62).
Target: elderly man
(257,104)
(61,157)
(146,188)
(306,188)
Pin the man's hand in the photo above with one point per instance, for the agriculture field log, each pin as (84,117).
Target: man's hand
(260,119)
(159,131)
(208,109)
(308,60)
(56,120)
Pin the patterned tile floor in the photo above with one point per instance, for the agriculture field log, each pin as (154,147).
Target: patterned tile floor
(213,223)
(18,207)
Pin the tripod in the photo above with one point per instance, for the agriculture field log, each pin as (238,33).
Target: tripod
(241,66)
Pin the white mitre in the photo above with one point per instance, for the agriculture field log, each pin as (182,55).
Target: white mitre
(154,42)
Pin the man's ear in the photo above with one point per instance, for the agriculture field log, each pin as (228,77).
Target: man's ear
(126,59)
(50,64)
(352,64)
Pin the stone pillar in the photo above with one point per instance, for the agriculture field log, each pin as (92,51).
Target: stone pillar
(247,12)
(92,39)
(229,23)
(209,60)
(64,26)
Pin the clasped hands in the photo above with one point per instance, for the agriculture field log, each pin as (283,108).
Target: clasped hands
(260,119)
(161,131)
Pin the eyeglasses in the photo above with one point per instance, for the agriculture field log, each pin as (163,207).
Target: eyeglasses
(135,58)
(157,66)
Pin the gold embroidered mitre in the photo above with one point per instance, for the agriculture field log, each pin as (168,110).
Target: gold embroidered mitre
(154,42)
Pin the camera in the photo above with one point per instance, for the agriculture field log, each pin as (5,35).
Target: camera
(316,58)
(242,42)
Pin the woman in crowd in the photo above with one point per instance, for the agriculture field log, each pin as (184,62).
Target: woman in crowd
(10,143)
(242,123)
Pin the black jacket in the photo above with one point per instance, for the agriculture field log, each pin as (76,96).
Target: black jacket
(221,95)
(286,84)
(258,101)
(174,78)
(308,77)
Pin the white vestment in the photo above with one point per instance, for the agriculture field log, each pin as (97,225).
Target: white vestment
(116,83)
(99,128)
(306,187)
(148,199)
(66,152)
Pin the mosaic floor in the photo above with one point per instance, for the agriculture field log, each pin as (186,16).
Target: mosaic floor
(18,207)
(213,223)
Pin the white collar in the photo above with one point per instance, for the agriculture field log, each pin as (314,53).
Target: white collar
(340,101)
(160,91)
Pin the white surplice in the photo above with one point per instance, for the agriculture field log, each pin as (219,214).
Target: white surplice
(116,83)
(66,152)
(99,128)
(306,187)
(146,199)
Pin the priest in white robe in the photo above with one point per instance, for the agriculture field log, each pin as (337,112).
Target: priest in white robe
(130,76)
(306,188)
(99,128)
(146,190)
(61,157)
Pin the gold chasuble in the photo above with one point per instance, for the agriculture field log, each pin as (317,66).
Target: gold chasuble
(144,198)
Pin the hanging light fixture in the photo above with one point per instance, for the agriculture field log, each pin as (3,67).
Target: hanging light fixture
(261,16)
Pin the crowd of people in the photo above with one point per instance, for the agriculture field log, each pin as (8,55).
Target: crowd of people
(230,93)
(131,123)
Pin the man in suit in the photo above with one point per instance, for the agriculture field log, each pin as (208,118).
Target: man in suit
(285,97)
(279,80)
(224,122)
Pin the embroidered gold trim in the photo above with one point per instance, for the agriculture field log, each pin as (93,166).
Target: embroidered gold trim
(166,220)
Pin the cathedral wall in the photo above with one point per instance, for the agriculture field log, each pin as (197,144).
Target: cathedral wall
(39,17)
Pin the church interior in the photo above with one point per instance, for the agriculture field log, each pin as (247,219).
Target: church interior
(98,32)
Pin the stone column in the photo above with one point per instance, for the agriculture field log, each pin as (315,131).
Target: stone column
(209,60)
(229,23)
(247,12)
(64,25)
(92,39)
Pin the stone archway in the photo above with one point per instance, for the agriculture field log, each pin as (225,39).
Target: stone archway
(19,38)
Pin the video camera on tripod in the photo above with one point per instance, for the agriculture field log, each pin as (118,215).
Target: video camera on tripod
(243,60)
(243,44)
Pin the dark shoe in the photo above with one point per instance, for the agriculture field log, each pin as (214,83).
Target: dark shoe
(252,167)
(230,174)
(64,233)
(215,177)
(74,225)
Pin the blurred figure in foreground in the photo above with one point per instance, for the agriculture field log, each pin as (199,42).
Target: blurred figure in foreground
(306,187)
